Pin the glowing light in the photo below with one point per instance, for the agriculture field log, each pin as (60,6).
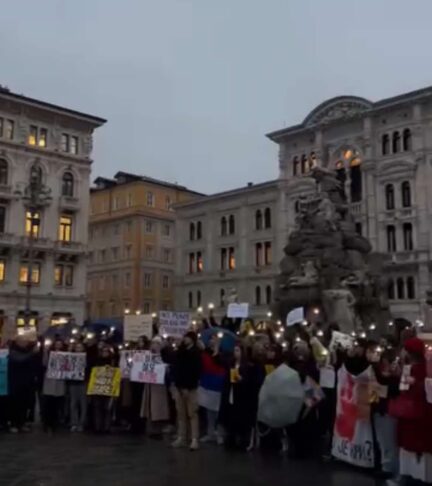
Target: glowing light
(379,349)
(47,342)
(320,333)
(324,352)
(269,313)
(165,335)
(297,339)
(154,315)
(112,328)
(390,323)
(127,311)
(90,335)
(194,323)
(121,347)
(279,323)
(251,333)
(75,331)
(363,335)
(305,322)
(284,344)
(220,335)
(278,335)
(316,311)
(138,312)
(104,333)
(126,345)
(353,334)
(71,340)
(200,310)
(211,306)
(372,327)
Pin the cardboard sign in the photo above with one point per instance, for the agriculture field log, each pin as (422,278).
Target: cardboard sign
(339,339)
(4,364)
(66,366)
(104,381)
(296,316)
(148,368)
(327,377)
(136,326)
(173,324)
(126,362)
(404,384)
(238,311)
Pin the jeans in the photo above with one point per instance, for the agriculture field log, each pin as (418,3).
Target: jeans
(187,412)
(102,410)
(78,403)
(386,434)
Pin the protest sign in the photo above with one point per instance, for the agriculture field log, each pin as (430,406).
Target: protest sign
(126,362)
(173,324)
(104,381)
(148,368)
(136,326)
(340,340)
(352,437)
(238,311)
(327,377)
(296,316)
(66,366)
(4,363)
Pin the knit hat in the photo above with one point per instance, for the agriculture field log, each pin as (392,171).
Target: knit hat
(415,345)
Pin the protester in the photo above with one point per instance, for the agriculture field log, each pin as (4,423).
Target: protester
(102,405)
(78,396)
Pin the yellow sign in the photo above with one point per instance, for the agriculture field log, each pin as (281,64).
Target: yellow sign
(104,381)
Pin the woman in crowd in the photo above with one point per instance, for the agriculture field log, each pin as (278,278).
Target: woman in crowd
(78,396)
(102,405)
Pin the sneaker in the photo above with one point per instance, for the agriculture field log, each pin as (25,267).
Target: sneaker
(79,429)
(179,442)
(74,428)
(220,441)
(207,438)
(13,430)
(194,445)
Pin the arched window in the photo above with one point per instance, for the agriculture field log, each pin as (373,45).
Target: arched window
(396,142)
(410,283)
(3,172)
(391,289)
(222,298)
(268,294)
(190,300)
(231,224)
(198,298)
(224,227)
(267,218)
(296,166)
(391,238)
(304,164)
(406,194)
(400,288)
(257,295)
(258,219)
(385,144)
(389,195)
(199,230)
(406,140)
(408,236)
(192,231)
(36,174)
(68,184)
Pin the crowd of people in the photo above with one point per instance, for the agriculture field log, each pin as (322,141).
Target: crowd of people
(211,391)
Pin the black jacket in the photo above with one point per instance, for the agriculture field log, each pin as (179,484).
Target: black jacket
(23,370)
(186,368)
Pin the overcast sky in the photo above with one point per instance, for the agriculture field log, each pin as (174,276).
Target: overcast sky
(191,87)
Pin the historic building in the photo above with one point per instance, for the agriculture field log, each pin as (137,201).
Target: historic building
(382,151)
(132,245)
(45,159)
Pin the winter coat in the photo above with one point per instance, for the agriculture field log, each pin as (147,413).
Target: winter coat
(23,370)
(186,368)
(154,405)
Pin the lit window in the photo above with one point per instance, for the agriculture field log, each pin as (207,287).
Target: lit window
(32,224)
(63,275)
(74,145)
(65,142)
(35,273)
(9,130)
(32,138)
(150,199)
(231,259)
(200,264)
(43,134)
(65,228)
(2,270)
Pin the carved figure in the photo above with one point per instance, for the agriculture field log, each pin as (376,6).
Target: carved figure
(339,308)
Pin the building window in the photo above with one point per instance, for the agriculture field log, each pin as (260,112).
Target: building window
(102,256)
(150,200)
(267,253)
(385,144)
(114,282)
(406,194)
(231,259)
(168,203)
(400,288)
(355,180)
(222,298)
(149,252)
(167,255)
(37,136)
(3,172)
(391,238)
(114,253)
(257,295)
(64,142)
(224,227)
(199,230)
(258,254)
(304,164)
(68,184)
(32,137)
(190,300)
(9,129)
(223,260)
(128,279)
(2,219)
(408,236)
(65,228)
(406,140)
(191,262)
(295,166)
(396,142)
(127,251)
(24,273)
(43,135)
(63,275)
(258,219)
(147,280)
(389,195)
(146,308)
(268,295)
(2,270)
(391,289)
(410,288)
(192,231)
(74,145)
(267,218)
(358,228)
(36,174)
(166,230)
(198,300)
(129,200)
(199,260)
(165,282)
(32,224)
(149,227)
(231,225)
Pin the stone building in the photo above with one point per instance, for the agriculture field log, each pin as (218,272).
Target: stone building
(45,159)
(132,245)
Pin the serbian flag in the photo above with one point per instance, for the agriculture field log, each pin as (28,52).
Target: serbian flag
(211,383)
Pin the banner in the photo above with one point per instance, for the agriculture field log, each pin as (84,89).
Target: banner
(126,362)
(136,326)
(296,316)
(148,368)
(352,437)
(4,364)
(66,366)
(238,311)
(174,324)
(104,381)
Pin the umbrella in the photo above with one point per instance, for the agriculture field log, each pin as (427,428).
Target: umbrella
(281,398)
(227,342)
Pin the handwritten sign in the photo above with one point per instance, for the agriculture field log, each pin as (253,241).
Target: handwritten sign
(148,368)
(296,316)
(66,366)
(238,311)
(340,340)
(126,362)
(104,381)
(4,363)
(174,324)
(136,326)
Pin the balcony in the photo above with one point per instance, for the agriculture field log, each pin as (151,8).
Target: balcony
(70,203)
(70,247)
(37,243)
(7,239)
(356,208)
(5,191)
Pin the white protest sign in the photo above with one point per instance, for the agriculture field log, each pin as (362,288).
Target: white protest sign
(296,316)
(126,362)
(339,339)
(173,324)
(66,366)
(136,326)
(327,377)
(236,311)
(147,368)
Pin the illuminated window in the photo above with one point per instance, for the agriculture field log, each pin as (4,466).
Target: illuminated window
(32,138)
(63,275)
(65,228)
(74,145)
(24,273)
(231,259)
(64,142)
(9,129)
(2,270)
(200,264)
(32,224)
(43,134)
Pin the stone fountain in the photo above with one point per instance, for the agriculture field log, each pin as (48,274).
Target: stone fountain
(328,265)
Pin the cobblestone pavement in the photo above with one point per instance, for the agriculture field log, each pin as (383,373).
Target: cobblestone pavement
(120,460)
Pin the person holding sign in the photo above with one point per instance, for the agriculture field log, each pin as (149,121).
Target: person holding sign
(78,396)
